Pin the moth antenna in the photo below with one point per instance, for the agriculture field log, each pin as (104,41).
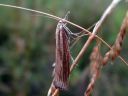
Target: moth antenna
(66,16)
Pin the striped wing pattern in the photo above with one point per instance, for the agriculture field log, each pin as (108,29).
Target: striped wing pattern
(61,71)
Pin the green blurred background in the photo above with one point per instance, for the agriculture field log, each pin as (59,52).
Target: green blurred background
(27,47)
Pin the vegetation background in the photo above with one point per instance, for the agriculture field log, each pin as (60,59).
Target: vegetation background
(27,47)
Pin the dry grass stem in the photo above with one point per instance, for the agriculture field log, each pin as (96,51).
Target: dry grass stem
(116,48)
(120,57)
(96,29)
(96,60)
(46,14)
(106,13)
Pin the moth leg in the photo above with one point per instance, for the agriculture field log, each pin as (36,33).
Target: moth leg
(71,33)
(72,59)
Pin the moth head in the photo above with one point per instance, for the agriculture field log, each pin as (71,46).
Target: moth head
(62,21)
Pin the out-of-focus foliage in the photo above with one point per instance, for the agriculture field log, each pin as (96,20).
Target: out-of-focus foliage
(27,47)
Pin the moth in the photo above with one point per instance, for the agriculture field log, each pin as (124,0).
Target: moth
(63,56)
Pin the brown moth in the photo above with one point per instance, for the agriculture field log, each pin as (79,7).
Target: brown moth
(62,61)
